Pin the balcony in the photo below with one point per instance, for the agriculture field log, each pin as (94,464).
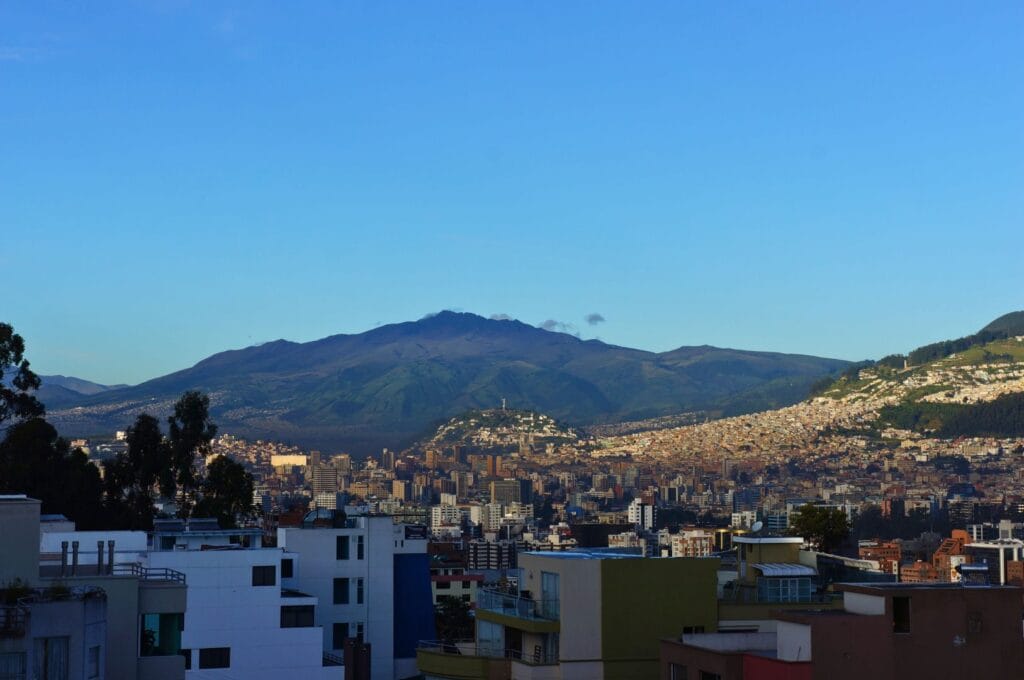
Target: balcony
(466,660)
(515,605)
(13,621)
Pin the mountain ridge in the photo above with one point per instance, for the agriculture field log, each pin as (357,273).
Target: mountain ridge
(388,385)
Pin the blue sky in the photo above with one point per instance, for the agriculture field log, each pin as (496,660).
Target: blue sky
(182,178)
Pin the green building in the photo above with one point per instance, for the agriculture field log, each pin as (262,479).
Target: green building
(587,615)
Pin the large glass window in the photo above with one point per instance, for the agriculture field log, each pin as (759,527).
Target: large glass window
(300,616)
(339,632)
(287,568)
(50,658)
(360,548)
(359,591)
(264,575)
(161,634)
(783,589)
(341,591)
(490,638)
(215,657)
(549,587)
(341,548)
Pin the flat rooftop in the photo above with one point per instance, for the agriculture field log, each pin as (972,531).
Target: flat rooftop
(587,554)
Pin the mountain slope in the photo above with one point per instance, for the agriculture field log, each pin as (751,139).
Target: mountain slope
(388,385)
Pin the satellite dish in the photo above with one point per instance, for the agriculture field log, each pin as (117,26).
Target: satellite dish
(757,526)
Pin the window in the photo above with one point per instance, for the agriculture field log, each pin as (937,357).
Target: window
(50,658)
(465,584)
(12,666)
(264,576)
(215,657)
(341,547)
(187,653)
(339,633)
(359,631)
(287,568)
(341,591)
(708,675)
(901,614)
(360,552)
(359,591)
(676,671)
(160,634)
(692,630)
(443,585)
(92,663)
(300,616)
(789,589)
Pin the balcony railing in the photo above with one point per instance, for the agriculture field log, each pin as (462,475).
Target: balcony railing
(511,604)
(148,573)
(13,621)
(470,648)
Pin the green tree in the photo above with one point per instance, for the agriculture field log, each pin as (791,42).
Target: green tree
(825,528)
(35,461)
(190,432)
(225,493)
(131,477)
(452,619)
(17,380)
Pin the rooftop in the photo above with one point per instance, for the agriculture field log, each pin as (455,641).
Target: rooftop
(768,539)
(587,554)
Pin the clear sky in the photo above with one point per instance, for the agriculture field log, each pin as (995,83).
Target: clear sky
(179,178)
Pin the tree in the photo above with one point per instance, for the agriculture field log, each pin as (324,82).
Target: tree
(17,380)
(37,462)
(226,493)
(190,432)
(130,478)
(453,619)
(820,526)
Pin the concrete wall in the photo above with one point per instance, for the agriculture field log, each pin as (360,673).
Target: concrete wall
(794,641)
(19,532)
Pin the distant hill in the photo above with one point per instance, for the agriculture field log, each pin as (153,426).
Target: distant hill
(391,384)
(971,386)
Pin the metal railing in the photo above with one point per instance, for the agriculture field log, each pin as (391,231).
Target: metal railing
(149,573)
(333,659)
(538,657)
(511,604)
(13,621)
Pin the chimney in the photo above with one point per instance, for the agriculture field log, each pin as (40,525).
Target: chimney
(74,557)
(63,558)
(110,557)
(99,557)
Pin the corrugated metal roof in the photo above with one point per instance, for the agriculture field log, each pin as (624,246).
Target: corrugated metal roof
(782,569)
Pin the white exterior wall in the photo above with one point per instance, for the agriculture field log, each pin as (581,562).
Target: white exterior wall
(320,566)
(224,609)
(794,641)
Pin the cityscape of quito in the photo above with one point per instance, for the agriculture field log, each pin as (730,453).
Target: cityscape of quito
(470,498)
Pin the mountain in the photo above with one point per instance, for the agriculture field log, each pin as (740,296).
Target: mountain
(388,385)
(971,386)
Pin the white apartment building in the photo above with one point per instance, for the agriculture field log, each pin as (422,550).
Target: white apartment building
(643,515)
(372,579)
(239,620)
(444,516)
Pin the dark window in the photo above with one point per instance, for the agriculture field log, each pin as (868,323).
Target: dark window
(93,663)
(341,548)
(160,634)
(341,591)
(300,616)
(215,657)
(359,591)
(340,631)
(287,568)
(359,631)
(708,675)
(676,672)
(465,584)
(443,585)
(692,630)
(264,576)
(360,552)
(901,614)
(187,653)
